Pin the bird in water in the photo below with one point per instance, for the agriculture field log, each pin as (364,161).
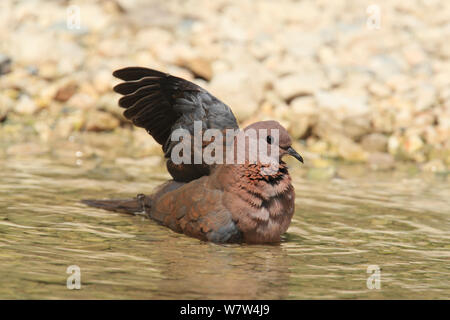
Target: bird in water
(246,200)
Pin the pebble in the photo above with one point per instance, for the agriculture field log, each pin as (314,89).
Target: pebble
(329,81)
(66,92)
(305,111)
(300,84)
(228,86)
(436,165)
(101,121)
(81,100)
(200,67)
(26,105)
(375,142)
(5,64)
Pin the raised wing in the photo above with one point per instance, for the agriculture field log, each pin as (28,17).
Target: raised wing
(160,103)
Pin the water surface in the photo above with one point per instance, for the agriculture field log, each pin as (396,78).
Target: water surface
(397,221)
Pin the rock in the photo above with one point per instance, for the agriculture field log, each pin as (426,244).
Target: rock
(335,76)
(111,48)
(299,43)
(53,54)
(5,64)
(407,146)
(301,116)
(275,101)
(393,144)
(347,149)
(359,81)
(228,87)
(200,67)
(67,124)
(6,105)
(320,147)
(432,136)
(48,93)
(356,127)
(386,65)
(13,94)
(412,144)
(108,103)
(399,83)
(335,85)
(113,7)
(103,81)
(343,102)
(262,47)
(299,84)
(81,100)
(414,55)
(327,127)
(381,161)
(48,70)
(402,113)
(375,142)
(66,92)
(435,165)
(379,90)
(351,151)
(327,56)
(304,105)
(425,97)
(101,121)
(26,105)
(93,17)
(423,120)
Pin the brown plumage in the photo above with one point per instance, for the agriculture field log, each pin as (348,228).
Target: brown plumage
(216,202)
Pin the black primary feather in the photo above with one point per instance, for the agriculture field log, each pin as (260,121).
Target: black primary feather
(161,103)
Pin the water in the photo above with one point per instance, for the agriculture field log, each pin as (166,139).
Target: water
(397,221)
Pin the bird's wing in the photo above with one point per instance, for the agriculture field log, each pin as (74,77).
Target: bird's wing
(161,103)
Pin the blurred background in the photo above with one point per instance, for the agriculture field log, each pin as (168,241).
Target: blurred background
(351,80)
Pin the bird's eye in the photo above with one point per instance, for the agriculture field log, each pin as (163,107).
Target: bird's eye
(269,139)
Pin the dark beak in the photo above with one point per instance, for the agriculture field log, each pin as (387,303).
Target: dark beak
(294,153)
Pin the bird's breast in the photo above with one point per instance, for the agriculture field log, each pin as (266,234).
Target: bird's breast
(264,220)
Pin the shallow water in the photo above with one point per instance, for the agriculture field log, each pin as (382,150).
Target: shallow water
(397,221)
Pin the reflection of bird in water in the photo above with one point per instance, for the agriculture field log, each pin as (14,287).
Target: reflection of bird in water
(244,202)
(246,272)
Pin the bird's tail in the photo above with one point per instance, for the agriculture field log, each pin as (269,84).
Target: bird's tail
(138,205)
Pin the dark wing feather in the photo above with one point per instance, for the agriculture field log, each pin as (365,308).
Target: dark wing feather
(136,73)
(161,103)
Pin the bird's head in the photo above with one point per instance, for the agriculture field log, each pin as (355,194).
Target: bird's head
(273,135)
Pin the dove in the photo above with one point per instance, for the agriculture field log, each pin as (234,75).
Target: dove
(238,199)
